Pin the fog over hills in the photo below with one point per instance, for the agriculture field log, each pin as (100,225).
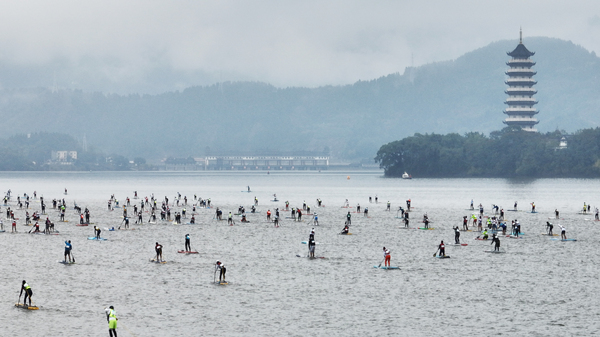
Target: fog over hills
(350,121)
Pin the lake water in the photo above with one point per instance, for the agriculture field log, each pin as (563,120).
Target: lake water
(539,287)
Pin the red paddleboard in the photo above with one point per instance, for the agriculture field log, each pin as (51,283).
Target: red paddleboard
(186,252)
(81,225)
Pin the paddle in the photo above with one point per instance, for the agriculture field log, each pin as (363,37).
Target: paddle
(215,275)
(73,257)
(380,263)
(434,254)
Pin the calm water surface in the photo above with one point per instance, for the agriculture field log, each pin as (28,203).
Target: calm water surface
(539,287)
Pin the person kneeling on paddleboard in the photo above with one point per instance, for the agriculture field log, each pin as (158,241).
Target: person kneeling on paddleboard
(28,292)
(345,230)
(485,235)
(222,270)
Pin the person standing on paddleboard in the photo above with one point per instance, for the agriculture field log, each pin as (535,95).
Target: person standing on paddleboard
(496,240)
(549,226)
(230,219)
(456,235)
(222,270)
(187,243)
(442,249)
(387,256)
(563,232)
(348,218)
(98,231)
(28,292)
(68,248)
(311,247)
(111,318)
(158,249)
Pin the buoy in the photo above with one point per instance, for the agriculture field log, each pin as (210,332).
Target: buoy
(348,177)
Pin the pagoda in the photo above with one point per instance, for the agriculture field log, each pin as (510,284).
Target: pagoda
(520,90)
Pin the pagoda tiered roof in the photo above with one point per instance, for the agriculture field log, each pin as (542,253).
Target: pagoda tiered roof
(521,52)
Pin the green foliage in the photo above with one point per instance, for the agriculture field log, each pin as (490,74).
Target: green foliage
(506,153)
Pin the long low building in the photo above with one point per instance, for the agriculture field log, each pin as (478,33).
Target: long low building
(264,162)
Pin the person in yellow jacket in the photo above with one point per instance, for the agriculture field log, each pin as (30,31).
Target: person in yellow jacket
(25,287)
(111,317)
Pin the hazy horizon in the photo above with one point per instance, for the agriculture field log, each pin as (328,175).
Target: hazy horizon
(152,47)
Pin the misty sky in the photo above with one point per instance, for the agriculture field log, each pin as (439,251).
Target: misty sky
(285,43)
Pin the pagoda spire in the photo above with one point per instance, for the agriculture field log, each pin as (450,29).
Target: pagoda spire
(520,35)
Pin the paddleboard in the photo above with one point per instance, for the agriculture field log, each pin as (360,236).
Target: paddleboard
(546,234)
(426,229)
(383,267)
(276,200)
(534,212)
(457,244)
(82,225)
(316,257)
(306,242)
(95,238)
(246,191)
(2,231)
(466,230)
(25,306)
(514,237)
(345,233)
(161,262)
(187,252)
(481,239)
(565,239)
(442,257)
(222,283)
(493,251)
(65,262)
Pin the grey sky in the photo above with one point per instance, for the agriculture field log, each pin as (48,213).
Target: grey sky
(286,43)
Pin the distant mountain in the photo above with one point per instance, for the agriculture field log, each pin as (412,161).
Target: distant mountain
(349,122)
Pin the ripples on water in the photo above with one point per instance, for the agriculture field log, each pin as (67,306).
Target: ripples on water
(539,287)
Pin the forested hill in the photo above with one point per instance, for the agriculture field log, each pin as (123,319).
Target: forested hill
(351,121)
(508,153)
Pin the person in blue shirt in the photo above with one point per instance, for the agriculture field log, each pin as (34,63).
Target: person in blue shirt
(68,248)
(187,243)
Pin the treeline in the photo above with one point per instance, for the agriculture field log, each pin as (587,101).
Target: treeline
(33,152)
(352,121)
(504,154)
